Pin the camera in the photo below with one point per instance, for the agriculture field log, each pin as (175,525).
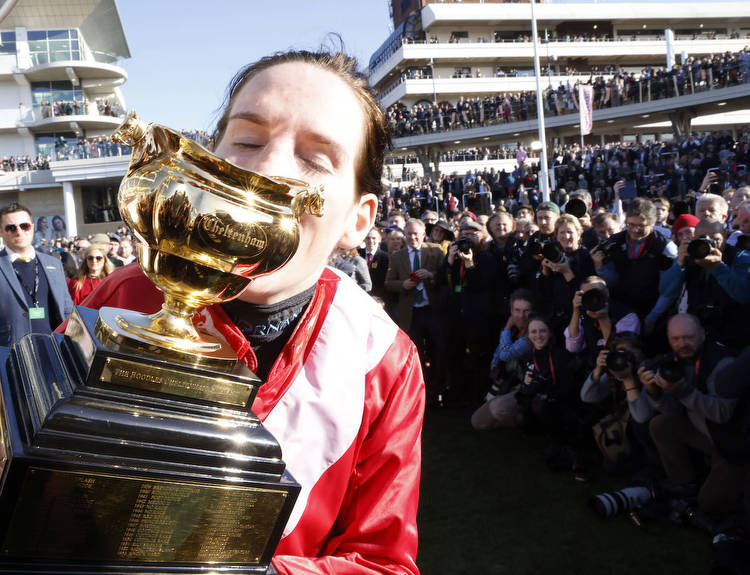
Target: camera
(609,247)
(594,299)
(576,207)
(553,252)
(464,245)
(534,247)
(620,359)
(666,367)
(700,247)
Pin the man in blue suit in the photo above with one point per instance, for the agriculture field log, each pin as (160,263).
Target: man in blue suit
(33,294)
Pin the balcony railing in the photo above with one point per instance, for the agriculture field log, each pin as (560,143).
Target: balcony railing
(526,39)
(425,119)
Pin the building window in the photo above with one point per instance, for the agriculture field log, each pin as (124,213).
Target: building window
(7,42)
(50,144)
(51,99)
(47,46)
(101,203)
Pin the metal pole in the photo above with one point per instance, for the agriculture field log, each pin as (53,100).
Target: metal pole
(543,172)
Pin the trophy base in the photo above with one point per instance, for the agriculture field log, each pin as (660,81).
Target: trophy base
(114,462)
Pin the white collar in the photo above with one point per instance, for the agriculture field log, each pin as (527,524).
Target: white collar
(15,255)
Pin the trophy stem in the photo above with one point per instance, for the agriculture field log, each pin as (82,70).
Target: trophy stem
(171,327)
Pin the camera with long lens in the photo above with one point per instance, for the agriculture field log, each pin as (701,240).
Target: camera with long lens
(607,505)
(667,367)
(608,247)
(464,245)
(620,360)
(576,207)
(553,252)
(594,300)
(700,247)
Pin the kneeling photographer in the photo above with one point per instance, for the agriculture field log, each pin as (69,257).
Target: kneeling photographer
(711,283)
(681,386)
(595,319)
(542,398)
(621,432)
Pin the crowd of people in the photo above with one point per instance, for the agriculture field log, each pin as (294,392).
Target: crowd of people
(618,306)
(616,88)
(77,107)
(83,149)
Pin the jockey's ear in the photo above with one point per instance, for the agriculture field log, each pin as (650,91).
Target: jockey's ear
(360,221)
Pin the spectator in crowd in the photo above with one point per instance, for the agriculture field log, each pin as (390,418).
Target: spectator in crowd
(33,294)
(377,262)
(125,253)
(94,268)
(353,265)
(114,251)
(412,274)
(395,240)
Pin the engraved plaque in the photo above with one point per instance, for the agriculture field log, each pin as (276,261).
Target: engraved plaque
(62,515)
(175,382)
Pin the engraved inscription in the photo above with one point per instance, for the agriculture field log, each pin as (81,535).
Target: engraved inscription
(249,236)
(93,517)
(174,382)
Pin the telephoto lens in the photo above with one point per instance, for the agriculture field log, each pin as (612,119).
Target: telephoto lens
(670,369)
(576,207)
(594,299)
(553,252)
(607,505)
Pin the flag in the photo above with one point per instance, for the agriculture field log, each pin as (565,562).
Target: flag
(585,107)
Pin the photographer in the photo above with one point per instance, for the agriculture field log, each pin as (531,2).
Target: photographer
(471,275)
(614,386)
(681,386)
(712,284)
(530,264)
(540,399)
(564,265)
(595,319)
(632,269)
(740,239)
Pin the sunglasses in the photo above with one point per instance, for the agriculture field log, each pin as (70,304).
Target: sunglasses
(94,258)
(11,228)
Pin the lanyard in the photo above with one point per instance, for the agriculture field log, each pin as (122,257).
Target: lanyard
(32,294)
(551,365)
(631,248)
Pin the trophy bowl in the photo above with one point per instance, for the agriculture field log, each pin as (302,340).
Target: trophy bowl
(204,228)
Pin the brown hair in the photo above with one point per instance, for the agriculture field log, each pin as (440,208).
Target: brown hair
(377,139)
(13,208)
(83,270)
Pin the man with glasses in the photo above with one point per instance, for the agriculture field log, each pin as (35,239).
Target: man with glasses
(33,295)
(632,269)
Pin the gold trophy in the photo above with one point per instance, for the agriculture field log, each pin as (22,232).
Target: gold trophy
(129,444)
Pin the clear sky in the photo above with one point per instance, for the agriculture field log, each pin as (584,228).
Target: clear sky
(184,52)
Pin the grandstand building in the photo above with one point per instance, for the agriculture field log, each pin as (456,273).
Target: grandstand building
(59,83)
(444,53)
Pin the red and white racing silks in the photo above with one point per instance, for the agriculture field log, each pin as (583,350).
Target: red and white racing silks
(345,401)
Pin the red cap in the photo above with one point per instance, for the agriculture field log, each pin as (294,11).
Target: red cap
(684,221)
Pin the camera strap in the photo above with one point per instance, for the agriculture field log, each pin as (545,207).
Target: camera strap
(551,366)
(635,255)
